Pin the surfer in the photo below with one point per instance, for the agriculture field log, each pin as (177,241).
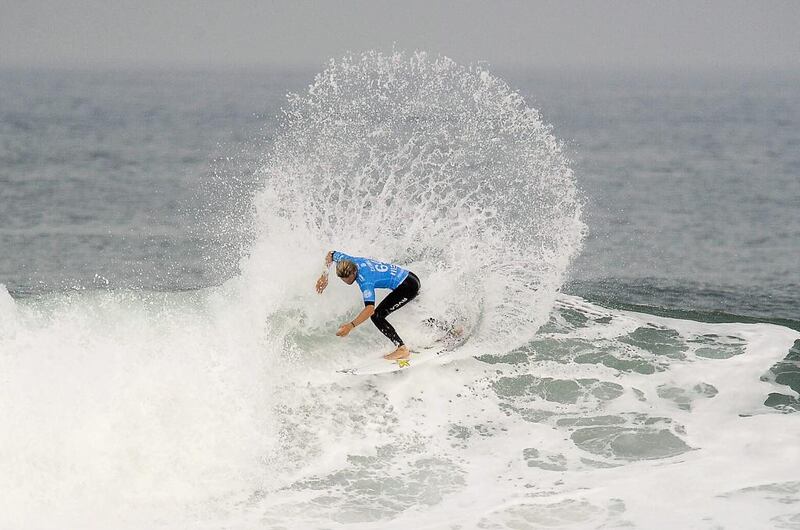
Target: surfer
(371,274)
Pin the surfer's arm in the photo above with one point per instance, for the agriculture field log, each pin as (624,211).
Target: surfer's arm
(322,282)
(337,256)
(365,313)
(347,327)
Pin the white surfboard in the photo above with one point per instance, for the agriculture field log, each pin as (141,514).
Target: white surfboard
(382,366)
(453,337)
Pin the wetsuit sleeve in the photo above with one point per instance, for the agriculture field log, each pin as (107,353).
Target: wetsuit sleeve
(368,293)
(339,256)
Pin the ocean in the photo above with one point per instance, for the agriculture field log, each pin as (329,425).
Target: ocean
(621,248)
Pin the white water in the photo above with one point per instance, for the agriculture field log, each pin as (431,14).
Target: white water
(192,432)
(222,408)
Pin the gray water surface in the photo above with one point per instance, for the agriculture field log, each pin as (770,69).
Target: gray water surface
(140,179)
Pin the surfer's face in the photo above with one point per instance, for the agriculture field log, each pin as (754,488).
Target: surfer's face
(349,279)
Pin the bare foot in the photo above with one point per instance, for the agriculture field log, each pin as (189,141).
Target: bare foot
(400,353)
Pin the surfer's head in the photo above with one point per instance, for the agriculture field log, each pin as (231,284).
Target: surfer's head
(346,270)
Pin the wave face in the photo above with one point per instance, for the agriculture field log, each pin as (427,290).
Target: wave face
(222,408)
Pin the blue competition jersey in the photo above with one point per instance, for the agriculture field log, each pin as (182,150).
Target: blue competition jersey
(373,274)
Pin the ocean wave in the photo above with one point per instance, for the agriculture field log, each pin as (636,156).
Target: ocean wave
(222,407)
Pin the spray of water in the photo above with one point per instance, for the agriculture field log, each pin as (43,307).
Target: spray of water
(117,406)
(418,160)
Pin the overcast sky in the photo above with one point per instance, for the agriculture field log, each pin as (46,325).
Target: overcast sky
(235,33)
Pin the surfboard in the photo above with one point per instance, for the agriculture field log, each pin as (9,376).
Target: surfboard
(449,342)
(382,366)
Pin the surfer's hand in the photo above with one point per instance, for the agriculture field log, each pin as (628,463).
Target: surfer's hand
(329,258)
(344,329)
(322,283)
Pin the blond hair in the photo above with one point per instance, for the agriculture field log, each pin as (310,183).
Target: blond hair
(345,268)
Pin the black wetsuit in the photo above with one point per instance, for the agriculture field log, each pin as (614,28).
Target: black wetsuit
(403,294)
